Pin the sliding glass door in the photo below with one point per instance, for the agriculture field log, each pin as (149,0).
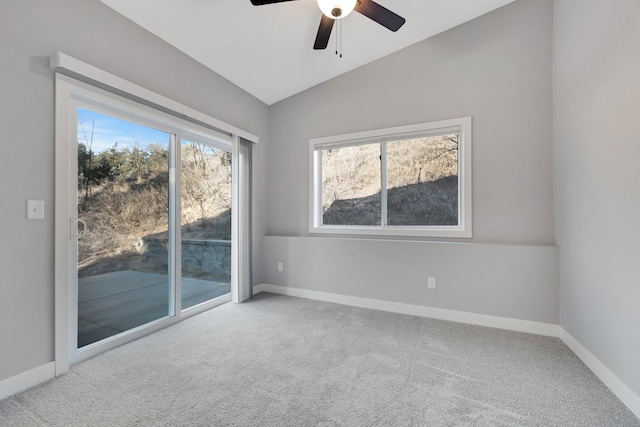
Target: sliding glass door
(143,185)
(152,213)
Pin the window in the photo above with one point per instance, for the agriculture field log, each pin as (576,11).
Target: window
(405,181)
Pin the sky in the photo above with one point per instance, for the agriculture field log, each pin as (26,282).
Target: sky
(108,130)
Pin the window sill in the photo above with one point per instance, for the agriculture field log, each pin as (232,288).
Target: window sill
(450,232)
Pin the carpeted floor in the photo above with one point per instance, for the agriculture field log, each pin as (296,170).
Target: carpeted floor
(283,361)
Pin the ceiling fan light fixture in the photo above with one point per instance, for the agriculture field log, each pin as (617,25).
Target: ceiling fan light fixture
(336,9)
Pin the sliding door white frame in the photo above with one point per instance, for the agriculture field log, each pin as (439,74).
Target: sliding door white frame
(68,93)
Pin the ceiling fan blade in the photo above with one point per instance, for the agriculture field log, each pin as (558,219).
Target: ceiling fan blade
(324,32)
(263,2)
(380,14)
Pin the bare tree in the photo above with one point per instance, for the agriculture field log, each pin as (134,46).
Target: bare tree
(85,162)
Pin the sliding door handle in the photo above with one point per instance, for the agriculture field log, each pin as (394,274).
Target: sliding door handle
(75,234)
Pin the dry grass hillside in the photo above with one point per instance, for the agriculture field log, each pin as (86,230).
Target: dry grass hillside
(422,186)
(124,196)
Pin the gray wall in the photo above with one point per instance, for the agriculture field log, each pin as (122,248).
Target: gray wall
(597,176)
(30,31)
(496,68)
(512,281)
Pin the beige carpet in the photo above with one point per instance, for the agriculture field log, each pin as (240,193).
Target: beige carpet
(283,361)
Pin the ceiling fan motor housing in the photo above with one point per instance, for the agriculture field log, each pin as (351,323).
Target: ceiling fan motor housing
(336,9)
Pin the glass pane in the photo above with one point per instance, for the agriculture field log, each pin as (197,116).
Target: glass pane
(206,223)
(351,185)
(123,196)
(422,181)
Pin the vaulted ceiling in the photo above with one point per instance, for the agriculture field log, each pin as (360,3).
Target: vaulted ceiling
(268,50)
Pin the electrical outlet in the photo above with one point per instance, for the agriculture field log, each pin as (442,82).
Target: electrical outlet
(431,283)
(280,266)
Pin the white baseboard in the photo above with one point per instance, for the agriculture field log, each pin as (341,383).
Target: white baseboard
(519,325)
(624,393)
(26,380)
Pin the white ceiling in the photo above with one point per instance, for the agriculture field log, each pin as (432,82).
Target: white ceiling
(268,50)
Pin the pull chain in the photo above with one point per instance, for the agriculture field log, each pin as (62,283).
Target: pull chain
(337,34)
(339,37)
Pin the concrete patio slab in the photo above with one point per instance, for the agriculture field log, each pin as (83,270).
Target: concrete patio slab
(116,302)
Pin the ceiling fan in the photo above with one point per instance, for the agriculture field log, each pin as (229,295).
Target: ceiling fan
(333,10)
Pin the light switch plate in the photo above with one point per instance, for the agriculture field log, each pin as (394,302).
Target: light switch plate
(35,209)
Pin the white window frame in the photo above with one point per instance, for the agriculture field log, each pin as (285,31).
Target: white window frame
(461,126)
